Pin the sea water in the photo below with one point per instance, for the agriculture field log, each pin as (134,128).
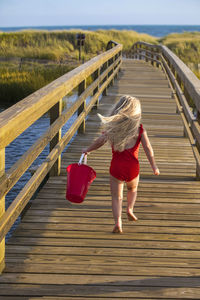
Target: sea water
(154,30)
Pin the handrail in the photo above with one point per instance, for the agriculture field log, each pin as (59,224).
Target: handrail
(111,44)
(15,120)
(185,86)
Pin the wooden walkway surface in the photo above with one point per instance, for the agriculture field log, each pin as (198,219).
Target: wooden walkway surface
(66,251)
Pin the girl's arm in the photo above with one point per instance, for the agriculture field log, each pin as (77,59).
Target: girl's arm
(100,141)
(149,152)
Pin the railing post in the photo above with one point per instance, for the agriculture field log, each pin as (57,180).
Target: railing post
(152,56)
(95,76)
(157,58)
(179,83)
(198,147)
(133,52)
(104,68)
(136,52)
(81,89)
(116,57)
(111,62)
(187,97)
(120,54)
(146,54)
(55,112)
(2,210)
(140,49)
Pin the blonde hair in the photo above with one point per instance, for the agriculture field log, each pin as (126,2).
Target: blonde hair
(123,123)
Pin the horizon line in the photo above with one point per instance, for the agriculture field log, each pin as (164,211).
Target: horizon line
(19,26)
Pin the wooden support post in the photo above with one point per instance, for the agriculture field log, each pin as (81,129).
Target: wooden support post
(120,54)
(198,147)
(95,76)
(187,97)
(2,210)
(140,56)
(111,62)
(55,112)
(135,52)
(116,75)
(157,58)
(173,70)
(146,53)
(105,90)
(81,89)
(152,57)
(179,83)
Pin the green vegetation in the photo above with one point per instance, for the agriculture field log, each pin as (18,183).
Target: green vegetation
(197,73)
(33,44)
(186,46)
(60,45)
(16,82)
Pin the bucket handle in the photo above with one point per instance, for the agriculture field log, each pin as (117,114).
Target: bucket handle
(81,159)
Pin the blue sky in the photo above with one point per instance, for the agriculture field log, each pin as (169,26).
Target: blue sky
(98,12)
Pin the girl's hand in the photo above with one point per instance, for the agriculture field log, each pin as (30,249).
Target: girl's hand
(156,171)
(84,150)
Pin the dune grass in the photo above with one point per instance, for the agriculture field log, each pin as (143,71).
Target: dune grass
(58,45)
(61,46)
(36,44)
(16,84)
(186,46)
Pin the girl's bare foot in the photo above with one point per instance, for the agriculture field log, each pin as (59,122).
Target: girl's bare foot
(131,216)
(117,229)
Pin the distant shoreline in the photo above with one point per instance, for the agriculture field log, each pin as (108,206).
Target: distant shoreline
(153,30)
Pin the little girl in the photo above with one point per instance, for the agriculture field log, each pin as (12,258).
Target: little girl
(125,133)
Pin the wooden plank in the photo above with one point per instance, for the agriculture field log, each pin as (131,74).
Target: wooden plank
(151,227)
(103,236)
(112,280)
(123,291)
(99,269)
(129,244)
(102,251)
(159,261)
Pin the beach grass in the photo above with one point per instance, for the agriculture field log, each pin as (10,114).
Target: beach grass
(16,84)
(185,45)
(60,47)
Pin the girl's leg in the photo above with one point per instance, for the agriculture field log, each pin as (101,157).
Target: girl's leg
(131,197)
(116,187)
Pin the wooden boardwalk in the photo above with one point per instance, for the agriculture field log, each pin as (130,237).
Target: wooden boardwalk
(66,251)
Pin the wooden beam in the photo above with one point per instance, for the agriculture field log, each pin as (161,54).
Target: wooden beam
(81,89)
(96,76)
(105,67)
(55,113)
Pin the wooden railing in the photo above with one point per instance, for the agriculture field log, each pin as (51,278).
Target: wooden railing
(15,120)
(185,86)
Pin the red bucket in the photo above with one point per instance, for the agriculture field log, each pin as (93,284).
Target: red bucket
(79,178)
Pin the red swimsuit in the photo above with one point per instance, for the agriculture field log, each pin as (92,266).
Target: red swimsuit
(125,165)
